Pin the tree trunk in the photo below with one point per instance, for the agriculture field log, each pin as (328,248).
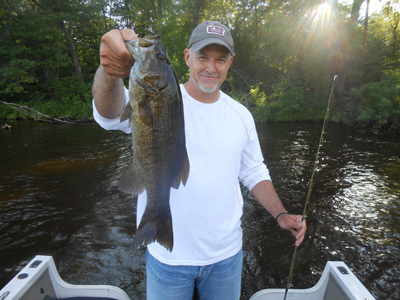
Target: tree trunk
(71,47)
(72,51)
(355,10)
(196,12)
(364,43)
(395,38)
(159,9)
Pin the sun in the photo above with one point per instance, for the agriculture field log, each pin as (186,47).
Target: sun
(315,32)
(321,15)
(324,9)
(318,24)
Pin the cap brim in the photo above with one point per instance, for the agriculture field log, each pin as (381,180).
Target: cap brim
(203,43)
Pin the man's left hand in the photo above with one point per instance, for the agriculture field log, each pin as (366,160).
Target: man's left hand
(294,224)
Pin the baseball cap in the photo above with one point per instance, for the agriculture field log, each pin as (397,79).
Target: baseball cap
(211,32)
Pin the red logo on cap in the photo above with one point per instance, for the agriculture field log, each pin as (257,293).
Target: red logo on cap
(215,30)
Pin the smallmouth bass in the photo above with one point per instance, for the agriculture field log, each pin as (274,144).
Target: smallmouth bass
(160,160)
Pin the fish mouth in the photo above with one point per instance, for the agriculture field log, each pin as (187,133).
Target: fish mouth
(148,41)
(149,88)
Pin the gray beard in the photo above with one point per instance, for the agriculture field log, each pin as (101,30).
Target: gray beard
(208,90)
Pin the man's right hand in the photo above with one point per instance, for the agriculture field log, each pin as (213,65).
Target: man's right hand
(114,55)
(115,64)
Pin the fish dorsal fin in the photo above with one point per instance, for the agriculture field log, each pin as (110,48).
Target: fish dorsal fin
(145,111)
(126,113)
(183,172)
(131,181)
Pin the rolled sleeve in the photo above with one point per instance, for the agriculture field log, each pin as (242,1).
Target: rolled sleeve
(253,169)
(112,124)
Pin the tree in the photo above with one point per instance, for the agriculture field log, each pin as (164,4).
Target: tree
(355,10)
(286,51)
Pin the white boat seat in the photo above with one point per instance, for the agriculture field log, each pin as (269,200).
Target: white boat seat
(39,280)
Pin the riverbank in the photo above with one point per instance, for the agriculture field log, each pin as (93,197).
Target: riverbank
(78,111)
(74,110)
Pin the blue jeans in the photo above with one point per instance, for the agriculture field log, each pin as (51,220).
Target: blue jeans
(219,281)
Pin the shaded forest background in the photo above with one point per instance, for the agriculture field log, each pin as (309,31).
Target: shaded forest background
(287,53)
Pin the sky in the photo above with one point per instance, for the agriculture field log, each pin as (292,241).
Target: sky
(374,6)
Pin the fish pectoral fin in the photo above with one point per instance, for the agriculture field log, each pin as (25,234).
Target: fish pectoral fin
(183,174)
(131,181)
(145,111)
(126,113)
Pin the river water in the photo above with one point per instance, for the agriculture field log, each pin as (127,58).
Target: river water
(59,197)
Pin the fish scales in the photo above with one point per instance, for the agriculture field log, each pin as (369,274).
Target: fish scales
(160,160)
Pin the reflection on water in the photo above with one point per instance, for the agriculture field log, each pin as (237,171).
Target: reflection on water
(59,197)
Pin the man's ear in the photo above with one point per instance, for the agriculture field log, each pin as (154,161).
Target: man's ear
(230,60)
(187,56)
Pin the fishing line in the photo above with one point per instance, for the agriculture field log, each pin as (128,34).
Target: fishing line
(307,204)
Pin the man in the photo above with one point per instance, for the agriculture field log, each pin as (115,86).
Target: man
(223,149)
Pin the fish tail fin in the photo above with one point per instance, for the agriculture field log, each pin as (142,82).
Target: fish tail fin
(156,225)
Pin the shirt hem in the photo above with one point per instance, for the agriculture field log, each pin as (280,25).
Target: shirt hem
(173,262)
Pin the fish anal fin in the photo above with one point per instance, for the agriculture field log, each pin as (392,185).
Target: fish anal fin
(131,182)
(183,174)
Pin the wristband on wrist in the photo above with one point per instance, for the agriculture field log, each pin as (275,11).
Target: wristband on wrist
(282,213)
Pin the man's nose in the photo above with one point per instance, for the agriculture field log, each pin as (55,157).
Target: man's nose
(211,66)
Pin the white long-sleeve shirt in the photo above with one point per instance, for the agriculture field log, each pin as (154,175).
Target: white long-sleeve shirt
(223,149)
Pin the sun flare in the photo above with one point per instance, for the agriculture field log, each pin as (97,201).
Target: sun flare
(321,34)
(321,16)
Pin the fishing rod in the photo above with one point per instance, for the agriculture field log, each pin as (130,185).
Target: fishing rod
(307,204)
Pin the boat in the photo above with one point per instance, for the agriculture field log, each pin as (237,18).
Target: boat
(337,282)
(39,280)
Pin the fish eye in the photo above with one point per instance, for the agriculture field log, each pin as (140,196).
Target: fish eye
(161,56)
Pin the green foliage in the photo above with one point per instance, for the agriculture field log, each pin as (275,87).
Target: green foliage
(257,103)
(375,104)
(16,78)
(8,113)
(380,101)
(286,54)
(286,102)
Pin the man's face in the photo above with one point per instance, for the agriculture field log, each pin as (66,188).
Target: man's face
(208,67)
